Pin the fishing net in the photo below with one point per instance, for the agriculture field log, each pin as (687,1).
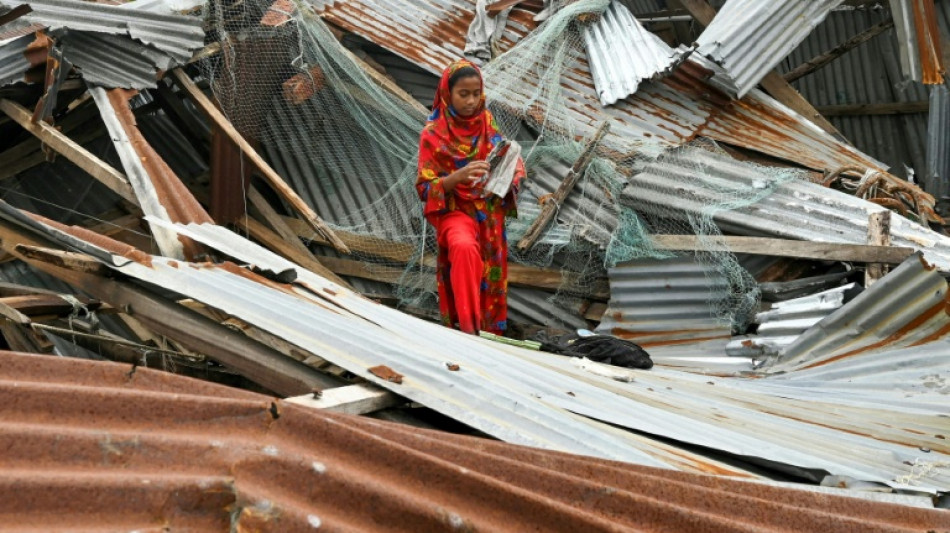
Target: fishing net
(349,147)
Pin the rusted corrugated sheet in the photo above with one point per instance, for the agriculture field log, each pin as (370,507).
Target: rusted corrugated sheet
(908,307)
(918,39)
(230,178)
(145,450)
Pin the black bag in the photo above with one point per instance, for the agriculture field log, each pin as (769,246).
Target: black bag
(602,349)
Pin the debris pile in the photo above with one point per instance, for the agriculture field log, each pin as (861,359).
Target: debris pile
(231,198)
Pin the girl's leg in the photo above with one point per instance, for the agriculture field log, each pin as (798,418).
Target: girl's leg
(458,233)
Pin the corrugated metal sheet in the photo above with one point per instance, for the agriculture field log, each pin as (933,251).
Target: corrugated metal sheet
(13,62)
(664,302)
(918,40)
(112,61)
(937,177)
(786,321)
(667,113)
(622,53)
(150,450)
(749,38)
(175,35)
(869,74)
(908,307)
(693,179)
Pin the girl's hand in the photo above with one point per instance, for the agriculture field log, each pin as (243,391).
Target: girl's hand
(468,175)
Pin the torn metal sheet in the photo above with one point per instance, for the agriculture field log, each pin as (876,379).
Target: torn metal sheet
(622,53)
(908,307)
(215,458)
(749,38)
(918,40)
(111,61)
(786,321)
(177,36)
(138,176)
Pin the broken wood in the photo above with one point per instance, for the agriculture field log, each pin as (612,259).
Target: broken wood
(68,260)
(97,168)
(773,82)
(820,251)
(269,174)
(889,108)
(34,305)
(553,203)
(821,60)
(352,399)
(879,234)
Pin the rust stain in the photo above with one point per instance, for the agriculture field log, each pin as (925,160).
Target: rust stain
(908,328)
(181,205)
(928,42)
(106,243)
(386,373)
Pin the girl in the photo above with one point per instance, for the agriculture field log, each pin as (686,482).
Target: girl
(470,225)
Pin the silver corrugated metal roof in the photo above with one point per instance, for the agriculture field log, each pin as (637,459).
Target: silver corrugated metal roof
(661,302)
(693,179)
(937,176)
(908,307)
(749,37)
(175,35)
(623,53)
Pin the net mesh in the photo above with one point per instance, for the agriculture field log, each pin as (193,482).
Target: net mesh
(349,147)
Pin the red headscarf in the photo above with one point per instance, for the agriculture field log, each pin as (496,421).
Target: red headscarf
(451,141)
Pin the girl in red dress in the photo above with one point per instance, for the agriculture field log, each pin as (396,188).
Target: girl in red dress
(470,224)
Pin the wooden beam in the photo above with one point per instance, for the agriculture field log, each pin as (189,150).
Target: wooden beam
(553,203)
(821,60)
(890,108)
(879,234)
(68,260)
(548,279)
(269,174)
(97,168)
(352,400)
(820,251)
(388,84)
(773,83)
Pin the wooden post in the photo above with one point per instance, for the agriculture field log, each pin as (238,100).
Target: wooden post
(821,60)
(552,204)
(270,175)
(879,234)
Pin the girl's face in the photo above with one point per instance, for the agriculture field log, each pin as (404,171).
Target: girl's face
(466,95)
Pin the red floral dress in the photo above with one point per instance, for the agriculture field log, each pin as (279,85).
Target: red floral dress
(450,142)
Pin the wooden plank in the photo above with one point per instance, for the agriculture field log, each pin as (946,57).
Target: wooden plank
(821,60)
(553,203)
(773,83)
(890,108)
(269,174)
(820,251)
(97,168)
(288,237)
(879,234)
(388,84)
(548,279)
(352,400)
